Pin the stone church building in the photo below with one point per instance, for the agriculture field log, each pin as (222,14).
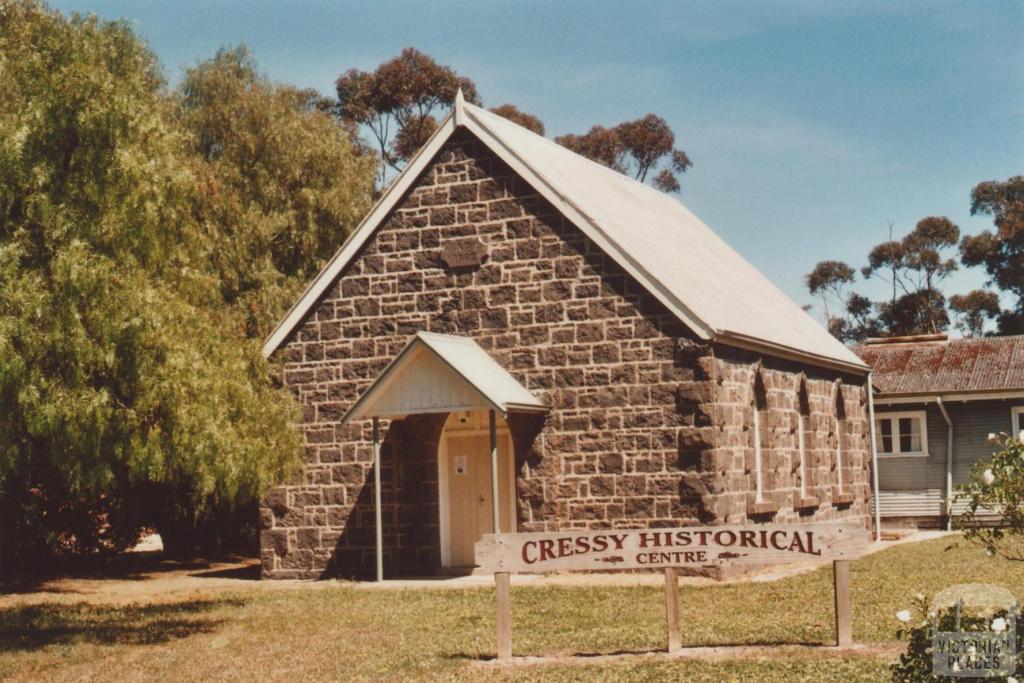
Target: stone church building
(518,335)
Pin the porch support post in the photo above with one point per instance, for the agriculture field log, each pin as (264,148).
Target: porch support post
(494,474)
(376,498)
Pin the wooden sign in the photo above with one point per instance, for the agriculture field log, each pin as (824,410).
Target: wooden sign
(667,550)
(463,252)
(661,548)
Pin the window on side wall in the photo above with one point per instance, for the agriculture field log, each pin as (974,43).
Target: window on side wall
(840,432)
(1017,415)
(902,434)
(761,442)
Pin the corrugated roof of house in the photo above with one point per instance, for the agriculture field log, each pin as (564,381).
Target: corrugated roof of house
(985,364)
(681,261)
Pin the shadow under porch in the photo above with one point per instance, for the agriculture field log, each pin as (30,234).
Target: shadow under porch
(410,527)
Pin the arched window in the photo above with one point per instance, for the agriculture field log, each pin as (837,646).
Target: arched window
(803,405)
(839,429)
(759,406)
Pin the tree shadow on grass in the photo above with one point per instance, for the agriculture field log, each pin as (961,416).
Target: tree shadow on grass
(34,626)
(249,572)
(122,567)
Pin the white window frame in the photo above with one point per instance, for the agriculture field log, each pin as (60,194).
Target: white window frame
(1015,413)
(895,417)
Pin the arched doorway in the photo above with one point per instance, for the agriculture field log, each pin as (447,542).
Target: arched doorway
(465,484)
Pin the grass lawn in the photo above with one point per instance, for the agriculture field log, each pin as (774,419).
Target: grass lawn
(340,632)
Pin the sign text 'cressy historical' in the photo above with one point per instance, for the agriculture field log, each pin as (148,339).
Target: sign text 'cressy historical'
(659,548)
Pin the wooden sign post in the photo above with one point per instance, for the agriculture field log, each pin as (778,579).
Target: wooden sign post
(670,549)
(672,608)
(503,599)
(844,611)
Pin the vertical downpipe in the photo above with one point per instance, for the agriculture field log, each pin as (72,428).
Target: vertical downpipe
(949,463)
(874,458)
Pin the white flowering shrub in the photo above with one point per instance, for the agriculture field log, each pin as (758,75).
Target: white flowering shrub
(997,486)
(917,627)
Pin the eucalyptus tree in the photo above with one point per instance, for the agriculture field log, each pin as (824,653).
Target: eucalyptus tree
(400,102)
(644,148)
(1000,252)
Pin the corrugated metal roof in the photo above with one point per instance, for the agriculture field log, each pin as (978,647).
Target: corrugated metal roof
(682,254)
(442,373)
(959,365)
(700,278)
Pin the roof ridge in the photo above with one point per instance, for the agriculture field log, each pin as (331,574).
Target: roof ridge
(994,337)
(563,148)
(1001,338)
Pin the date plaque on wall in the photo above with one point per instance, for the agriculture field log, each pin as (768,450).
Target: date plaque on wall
(464,252)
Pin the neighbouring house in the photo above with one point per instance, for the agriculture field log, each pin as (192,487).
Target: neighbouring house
(507,301)
(936,402)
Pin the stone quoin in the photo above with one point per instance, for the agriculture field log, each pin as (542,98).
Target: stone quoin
(672,385)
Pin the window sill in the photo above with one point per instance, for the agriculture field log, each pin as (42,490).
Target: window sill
(893,456)
(808,503)
(764,508)
(839,498)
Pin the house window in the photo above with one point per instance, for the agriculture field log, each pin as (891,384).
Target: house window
(1017,416)
(902,434)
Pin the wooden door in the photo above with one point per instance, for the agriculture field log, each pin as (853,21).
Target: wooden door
(469,492)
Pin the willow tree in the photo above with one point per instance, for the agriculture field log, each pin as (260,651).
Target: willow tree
(281,182)
(131,396)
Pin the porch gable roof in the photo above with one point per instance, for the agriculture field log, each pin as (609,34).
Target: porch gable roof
(442,373)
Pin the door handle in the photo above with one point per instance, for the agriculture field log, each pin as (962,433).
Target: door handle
(481,498)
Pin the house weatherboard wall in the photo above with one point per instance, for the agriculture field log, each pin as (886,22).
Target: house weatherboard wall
(639,371)
(936,402)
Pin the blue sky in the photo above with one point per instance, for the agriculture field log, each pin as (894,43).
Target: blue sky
(810,124)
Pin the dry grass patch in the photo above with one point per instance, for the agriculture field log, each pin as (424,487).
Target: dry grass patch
(338,632)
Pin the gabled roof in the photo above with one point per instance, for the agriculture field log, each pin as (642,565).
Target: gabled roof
(927,368)
(437,373)
(657,240)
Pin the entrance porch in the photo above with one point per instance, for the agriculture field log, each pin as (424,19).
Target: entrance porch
(452,398)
